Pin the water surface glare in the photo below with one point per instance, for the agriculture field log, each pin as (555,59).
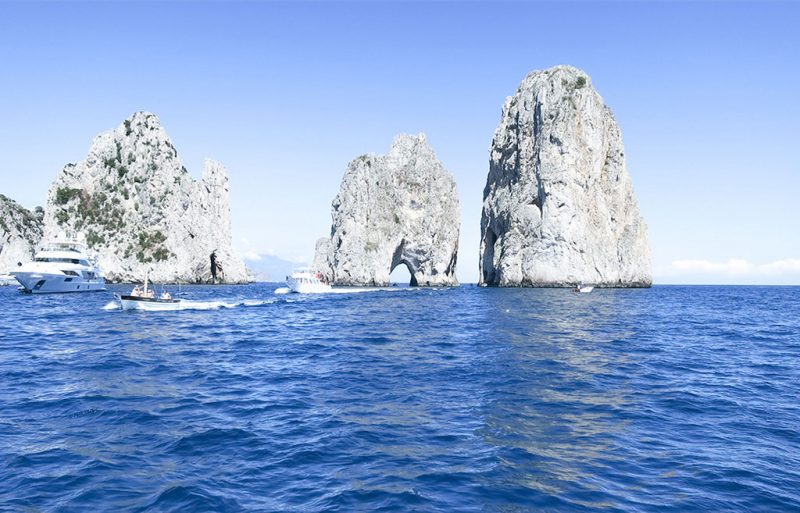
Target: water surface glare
(465,399)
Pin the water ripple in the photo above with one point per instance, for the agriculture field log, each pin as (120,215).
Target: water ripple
(669,399)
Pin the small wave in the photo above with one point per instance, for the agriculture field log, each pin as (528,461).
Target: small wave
(191,498)
(205,305)
(282,290)
(255,302)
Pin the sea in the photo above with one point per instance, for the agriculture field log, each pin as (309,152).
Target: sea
(466,399)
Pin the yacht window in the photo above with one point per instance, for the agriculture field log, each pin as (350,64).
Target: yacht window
(61,260)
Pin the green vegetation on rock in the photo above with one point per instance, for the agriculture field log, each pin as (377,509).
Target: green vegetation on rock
(151,247)
(64,195)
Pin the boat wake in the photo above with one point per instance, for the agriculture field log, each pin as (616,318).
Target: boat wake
(195,305)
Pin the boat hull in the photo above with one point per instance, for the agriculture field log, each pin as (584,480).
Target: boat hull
(147,304)
(47,283)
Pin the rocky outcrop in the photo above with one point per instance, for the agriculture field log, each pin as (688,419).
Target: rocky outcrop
(400,208)
(20,233)
(141,210)
(559,206)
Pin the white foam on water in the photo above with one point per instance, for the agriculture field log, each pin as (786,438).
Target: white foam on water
(204,305)
(282,290)
(255,302)
(212,305)
(187,304)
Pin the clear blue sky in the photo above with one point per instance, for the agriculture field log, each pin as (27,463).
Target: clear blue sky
(285,95)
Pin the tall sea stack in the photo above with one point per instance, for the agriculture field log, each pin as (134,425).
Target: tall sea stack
(559,207)
(395,209)
(142,212)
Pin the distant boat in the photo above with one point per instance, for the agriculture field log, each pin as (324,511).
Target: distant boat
(62,265)
(146,299)
(583,289)
(306,281)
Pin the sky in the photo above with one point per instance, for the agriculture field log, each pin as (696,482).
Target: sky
(286,94)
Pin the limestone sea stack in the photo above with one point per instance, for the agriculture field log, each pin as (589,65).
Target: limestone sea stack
(395,209)
(141,211)
(559,207)
(20,233)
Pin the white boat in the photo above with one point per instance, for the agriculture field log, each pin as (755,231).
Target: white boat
(148,300)
(61,265)
(583,289)
(306,281)
(147,304)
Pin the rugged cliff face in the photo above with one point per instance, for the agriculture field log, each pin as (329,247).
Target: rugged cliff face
(400,208)
(20,233)
(558,205)
(142,211)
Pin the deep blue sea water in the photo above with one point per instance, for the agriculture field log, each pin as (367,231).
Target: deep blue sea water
(509,400)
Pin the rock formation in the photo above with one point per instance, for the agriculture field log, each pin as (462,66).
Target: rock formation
(20,233)
(558,205)
(141,210)
(400,208)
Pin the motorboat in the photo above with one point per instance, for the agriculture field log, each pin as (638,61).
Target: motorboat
(306,281)
(149,304)
(61,265)
(583,289)
(147,299)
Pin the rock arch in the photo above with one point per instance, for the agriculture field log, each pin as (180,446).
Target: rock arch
(399,258)
(400,208)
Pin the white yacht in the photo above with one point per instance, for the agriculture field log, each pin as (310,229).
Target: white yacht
(307,282)
(61,265)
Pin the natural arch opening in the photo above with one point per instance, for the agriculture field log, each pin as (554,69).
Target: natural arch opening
(401,273)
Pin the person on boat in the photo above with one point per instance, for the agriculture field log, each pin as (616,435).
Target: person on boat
(136,292)
(166,296)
